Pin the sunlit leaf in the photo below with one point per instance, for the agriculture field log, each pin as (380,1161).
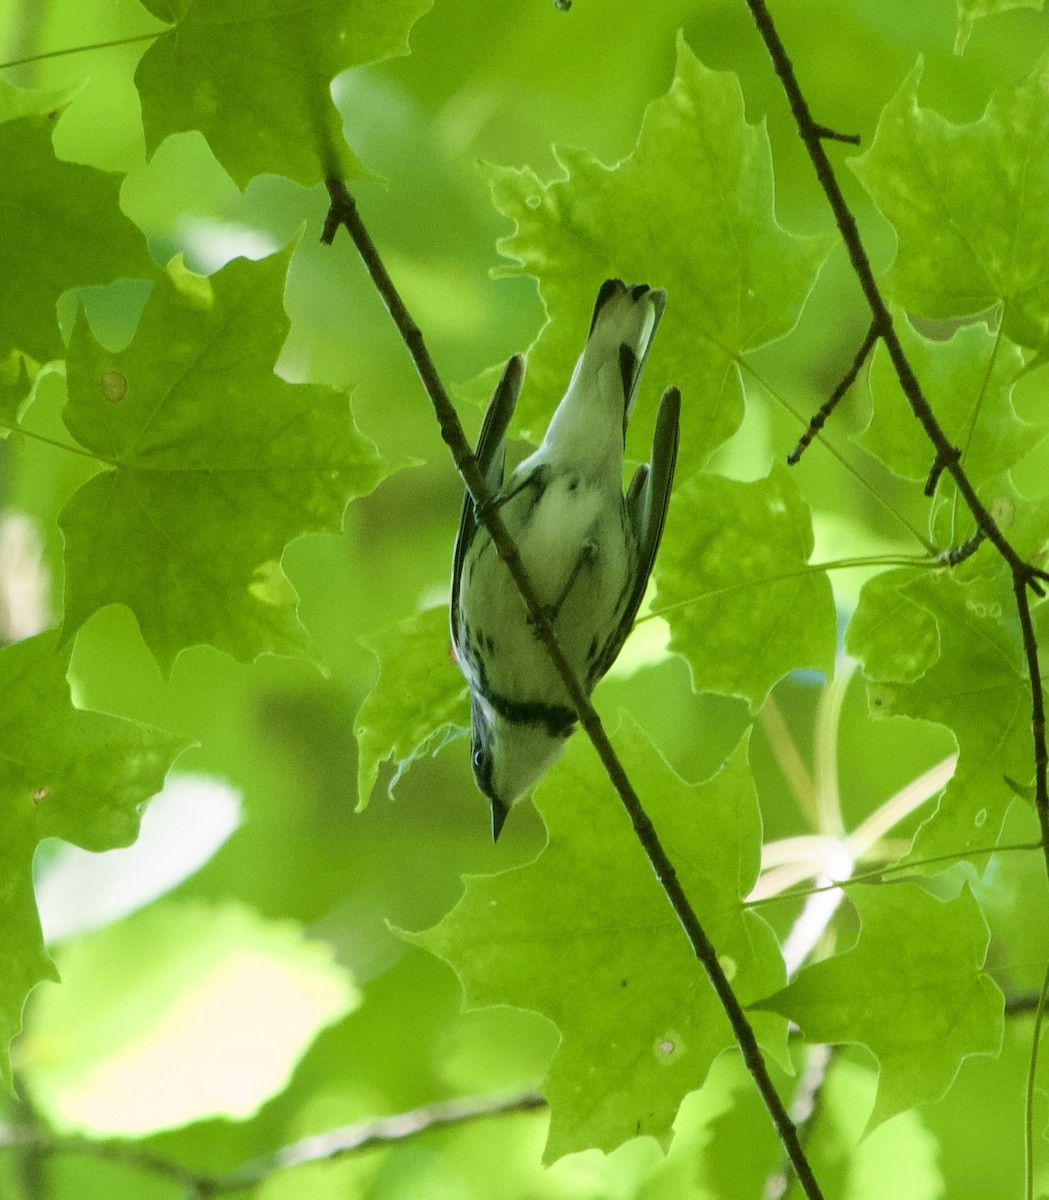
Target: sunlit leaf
(213,465)
(691,211)
(735,585)
(968,381)
(64,773)
(63,228)
(418,699)
(912,990)
(255,78)
(178,981)
(970,204)
(977,687)
(610,964)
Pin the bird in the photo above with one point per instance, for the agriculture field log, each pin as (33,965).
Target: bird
(588,550)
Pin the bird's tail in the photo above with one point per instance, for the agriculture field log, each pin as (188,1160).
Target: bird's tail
(621,330)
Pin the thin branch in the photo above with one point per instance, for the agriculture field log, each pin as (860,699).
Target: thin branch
(948,458)
(809,131)
(832,135)
(942,462)
(330,1146)
(1041,797)
(369,1135)
(344,212)
(828,406)
(804,1110)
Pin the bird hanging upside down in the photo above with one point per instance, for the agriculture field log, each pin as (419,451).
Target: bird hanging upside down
(588,550)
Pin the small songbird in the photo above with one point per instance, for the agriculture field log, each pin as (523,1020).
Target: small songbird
(588,550)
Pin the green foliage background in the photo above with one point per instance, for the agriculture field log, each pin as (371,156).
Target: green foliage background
(160,260)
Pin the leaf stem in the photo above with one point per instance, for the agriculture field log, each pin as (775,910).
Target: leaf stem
(878,874)
(1039,1013)
(126,41)
(840,564)
(343,211)
(876,494)
(49,441)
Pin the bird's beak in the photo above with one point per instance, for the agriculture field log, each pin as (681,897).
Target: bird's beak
(500,812)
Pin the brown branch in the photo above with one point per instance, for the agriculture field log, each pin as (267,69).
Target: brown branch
(1025,575)
(344,212)
(329,1146)
(828,406)
(832,135)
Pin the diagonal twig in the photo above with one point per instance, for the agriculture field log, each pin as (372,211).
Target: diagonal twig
(343,211)
(829,405)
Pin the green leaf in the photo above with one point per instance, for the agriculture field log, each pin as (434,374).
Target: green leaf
(163,996)
(216,464)
(418,701)
(256,79)
(691,210)
(894,637)
(734,584)
(18,102)
(977,687)
(586,936)
(971,11)
(64,773)
(63,228)
(15,391)
(911,990)
(968,381)
(970,204)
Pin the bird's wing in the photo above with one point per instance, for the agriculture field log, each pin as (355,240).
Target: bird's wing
(646,502)
(490,454)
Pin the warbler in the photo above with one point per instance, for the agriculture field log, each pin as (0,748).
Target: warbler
(588,550)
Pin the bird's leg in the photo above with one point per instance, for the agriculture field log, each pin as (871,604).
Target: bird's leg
(587,556)
(535,478)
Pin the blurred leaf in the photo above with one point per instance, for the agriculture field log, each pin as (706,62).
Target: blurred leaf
(417,702)
(183,827)
(255,79)
(18,102)
(63,228)
(698,166)
(977,687)
(911,990)
(971,11)
(64,773)
(214,1001)
(217,464)
(610,966)
(968,381)
(735,586)
(970,204)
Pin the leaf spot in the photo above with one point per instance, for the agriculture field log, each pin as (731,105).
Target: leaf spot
(38,794)
(114,387)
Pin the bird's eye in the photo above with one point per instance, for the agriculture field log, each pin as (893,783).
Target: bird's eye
(478,758)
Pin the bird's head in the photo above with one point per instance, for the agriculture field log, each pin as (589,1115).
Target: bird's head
(508,757)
